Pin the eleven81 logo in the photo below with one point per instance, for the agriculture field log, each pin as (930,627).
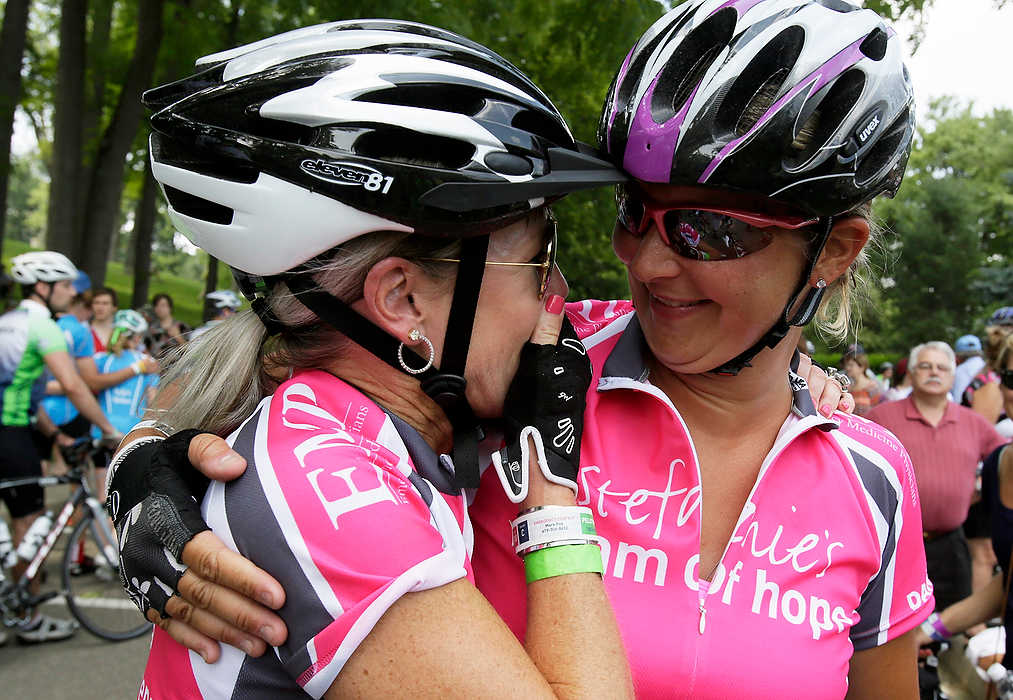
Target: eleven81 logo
(351,174)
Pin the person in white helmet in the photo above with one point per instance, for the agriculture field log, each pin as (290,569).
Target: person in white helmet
(225,303)
(31,342)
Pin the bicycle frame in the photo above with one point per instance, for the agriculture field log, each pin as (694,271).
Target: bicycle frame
(82,495)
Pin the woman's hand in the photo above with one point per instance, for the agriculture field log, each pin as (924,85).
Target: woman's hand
(221,596)
(543,414)
(828,395)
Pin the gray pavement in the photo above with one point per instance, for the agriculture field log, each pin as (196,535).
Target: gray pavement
(83,666)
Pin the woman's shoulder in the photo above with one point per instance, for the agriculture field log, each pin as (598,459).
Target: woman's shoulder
(871,443)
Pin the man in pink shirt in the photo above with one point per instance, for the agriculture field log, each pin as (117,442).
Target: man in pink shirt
(946,442)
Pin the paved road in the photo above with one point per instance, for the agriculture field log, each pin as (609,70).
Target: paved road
(81,667)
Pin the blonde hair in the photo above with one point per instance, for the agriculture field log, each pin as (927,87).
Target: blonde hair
(217,380)
(1003,350)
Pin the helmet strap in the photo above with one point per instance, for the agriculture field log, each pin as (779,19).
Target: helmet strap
(806,306)
(444,384)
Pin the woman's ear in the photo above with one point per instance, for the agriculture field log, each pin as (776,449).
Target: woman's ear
(393,297)
(847,238)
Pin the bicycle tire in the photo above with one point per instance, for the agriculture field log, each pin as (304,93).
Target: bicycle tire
(95,597)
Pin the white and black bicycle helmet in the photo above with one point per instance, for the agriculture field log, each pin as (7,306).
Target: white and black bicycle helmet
(224,299)
(288,147)
(42,266)
(716,93)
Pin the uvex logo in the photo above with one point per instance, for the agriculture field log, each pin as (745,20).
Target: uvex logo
(869,129)
(352,174)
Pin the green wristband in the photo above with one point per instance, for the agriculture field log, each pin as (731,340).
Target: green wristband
(562,560)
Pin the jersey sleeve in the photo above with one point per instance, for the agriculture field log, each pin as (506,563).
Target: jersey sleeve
(344,525)
(47,336)
(899,596)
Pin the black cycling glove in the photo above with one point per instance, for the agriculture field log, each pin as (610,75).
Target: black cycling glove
(153,494)
(545,402)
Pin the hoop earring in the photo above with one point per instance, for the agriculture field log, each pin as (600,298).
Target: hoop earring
(416,337)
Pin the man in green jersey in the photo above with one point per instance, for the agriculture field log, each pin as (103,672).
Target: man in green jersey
(31,342)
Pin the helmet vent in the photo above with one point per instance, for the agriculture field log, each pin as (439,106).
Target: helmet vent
(538,124)
(874,45)
(885,150)
(197,207)
(744,103)
(819,125)
(685,68)
(636,68)
(838,5)
(406,146)
(444,98)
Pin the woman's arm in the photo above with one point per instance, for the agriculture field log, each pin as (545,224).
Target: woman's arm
(886,672)
(975,609)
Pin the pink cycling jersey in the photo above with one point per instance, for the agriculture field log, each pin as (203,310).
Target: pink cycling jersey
(826,557)
(335,506)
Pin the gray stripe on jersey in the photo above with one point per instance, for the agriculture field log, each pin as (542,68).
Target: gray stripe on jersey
(265,679)
(259,537)
(878,486)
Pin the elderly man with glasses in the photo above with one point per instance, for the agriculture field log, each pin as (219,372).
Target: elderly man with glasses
(946,442)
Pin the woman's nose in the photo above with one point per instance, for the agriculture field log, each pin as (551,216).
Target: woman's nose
(651,258)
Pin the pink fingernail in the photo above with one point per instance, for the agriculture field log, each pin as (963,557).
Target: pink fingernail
(554,304)
(827,411)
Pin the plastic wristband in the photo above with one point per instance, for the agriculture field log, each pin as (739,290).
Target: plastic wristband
(936,629)
(137,368)
(562,560)
(549,526)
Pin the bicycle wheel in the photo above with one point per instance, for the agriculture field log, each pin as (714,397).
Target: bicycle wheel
(93,590)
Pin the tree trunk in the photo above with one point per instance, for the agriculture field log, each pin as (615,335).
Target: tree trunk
(91,119)
(210,285)
(63,222)
(12,49)
(144,226)
(107,182)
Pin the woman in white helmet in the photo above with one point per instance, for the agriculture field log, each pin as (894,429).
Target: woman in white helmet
(396,276)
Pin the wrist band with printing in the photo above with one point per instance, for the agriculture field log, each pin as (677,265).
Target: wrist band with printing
(562,560)
(547,526)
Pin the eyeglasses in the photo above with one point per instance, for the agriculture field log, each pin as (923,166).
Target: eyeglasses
(702,233)
(545,261)
(927,367)
(1006,377)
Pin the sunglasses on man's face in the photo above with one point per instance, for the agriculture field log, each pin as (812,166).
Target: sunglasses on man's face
(545,261)
(702,233)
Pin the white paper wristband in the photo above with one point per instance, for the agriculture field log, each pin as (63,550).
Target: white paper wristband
(545,526)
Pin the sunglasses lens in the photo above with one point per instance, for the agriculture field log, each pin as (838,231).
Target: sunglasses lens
(705,235)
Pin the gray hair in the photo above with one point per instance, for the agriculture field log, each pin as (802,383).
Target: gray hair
(938,346)
(217,380)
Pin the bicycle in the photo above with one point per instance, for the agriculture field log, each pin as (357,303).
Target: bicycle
(91,587)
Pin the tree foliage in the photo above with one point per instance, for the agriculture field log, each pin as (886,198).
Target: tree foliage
(570,48)
(947,261)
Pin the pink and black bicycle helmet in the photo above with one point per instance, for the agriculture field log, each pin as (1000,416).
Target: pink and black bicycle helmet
(679,110)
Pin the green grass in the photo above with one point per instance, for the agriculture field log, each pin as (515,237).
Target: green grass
(187,294)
